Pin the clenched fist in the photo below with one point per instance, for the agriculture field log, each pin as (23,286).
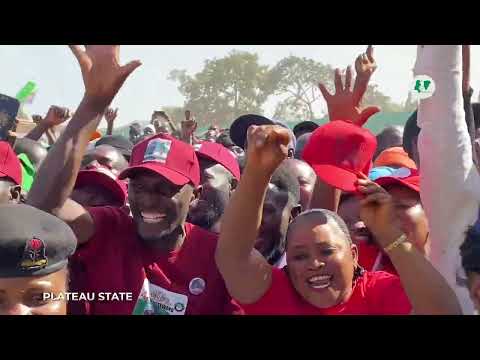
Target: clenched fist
(267,147)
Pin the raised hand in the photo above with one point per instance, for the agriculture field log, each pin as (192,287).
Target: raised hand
(189,125)
(55,116)
(102,74)
(466,68)
(343,105)
(377,211)
(37,119)
(111,115)
(268,147)
(365,66)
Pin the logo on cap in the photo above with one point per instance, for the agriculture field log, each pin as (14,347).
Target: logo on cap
(157,150)
(197,286)
(34,255)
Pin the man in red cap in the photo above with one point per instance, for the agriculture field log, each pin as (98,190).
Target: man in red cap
(403,185)
(162,263)
(10,175)
(219,175)
(99,187)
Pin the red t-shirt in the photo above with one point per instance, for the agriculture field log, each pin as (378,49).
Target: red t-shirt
(368,254)
(114,260)
(374,293)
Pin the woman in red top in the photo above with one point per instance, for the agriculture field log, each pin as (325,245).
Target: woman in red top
(322,274)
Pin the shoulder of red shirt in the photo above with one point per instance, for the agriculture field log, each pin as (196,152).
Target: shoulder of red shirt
(375,293)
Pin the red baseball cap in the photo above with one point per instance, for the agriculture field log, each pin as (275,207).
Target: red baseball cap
(165,156)
(103,177)
(402,176)
(339,151)
(219,154)
(394,156)
(9,164)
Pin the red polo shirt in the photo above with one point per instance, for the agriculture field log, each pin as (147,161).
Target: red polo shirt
(185,281)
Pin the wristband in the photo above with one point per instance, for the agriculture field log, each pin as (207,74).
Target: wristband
(396,243)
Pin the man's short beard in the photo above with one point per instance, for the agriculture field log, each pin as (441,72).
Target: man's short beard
(165,239)
(206,217)
(209,217)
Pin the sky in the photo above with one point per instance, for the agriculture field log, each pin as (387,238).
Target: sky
(58,76)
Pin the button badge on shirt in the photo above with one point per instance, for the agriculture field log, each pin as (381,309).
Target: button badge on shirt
(197,286)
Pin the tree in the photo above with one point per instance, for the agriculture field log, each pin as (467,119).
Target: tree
(225,89)
(176,114)
(297,79)
(373,96)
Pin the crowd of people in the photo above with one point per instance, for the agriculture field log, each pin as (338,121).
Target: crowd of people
(251,220)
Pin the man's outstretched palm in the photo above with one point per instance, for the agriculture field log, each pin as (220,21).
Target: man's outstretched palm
(102,74)
(343,104)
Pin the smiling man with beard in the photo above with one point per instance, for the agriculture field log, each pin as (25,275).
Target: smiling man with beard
(167,264)
(219,175)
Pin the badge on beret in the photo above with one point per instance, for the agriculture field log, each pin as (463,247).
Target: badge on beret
(34,257)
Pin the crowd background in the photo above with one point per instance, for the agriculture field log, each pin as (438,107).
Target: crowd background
(354,213)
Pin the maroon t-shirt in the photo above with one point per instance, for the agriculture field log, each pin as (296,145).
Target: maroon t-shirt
(374,293)
(114,260)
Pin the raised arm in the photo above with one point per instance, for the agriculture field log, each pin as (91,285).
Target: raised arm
(246,273)
(110,116)
(427,290)
(450,185)
(103,77)
(467,98)
(55,116)
(345,105)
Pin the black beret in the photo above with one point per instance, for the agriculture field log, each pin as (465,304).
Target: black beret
(32,242)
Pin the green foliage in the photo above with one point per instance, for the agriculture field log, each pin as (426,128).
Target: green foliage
(297,79)
(225,89)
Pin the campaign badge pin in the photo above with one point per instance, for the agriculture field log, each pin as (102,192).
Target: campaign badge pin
(422,87)
(197,286)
